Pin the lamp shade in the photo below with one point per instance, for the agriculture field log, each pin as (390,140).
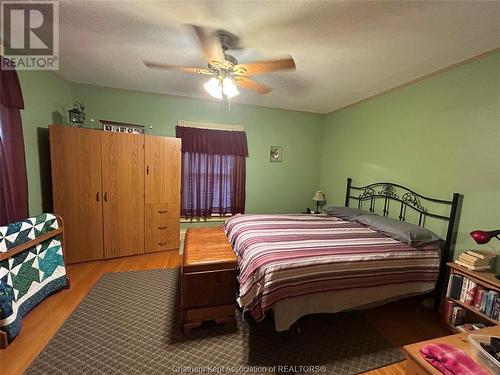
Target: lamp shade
(481,237)
(213,87)
(229,88)
(319,196)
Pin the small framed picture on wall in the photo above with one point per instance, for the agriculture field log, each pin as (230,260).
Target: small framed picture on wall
(275,154)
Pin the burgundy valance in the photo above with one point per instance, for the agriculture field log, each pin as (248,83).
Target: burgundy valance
(214,142)
(10,89)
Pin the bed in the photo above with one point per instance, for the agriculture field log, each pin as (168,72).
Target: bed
(295,265)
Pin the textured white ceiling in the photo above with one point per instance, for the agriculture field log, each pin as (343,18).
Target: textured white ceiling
(345,51)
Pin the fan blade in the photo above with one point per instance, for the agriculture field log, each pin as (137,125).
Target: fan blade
(260,67)
(249,84)
(209,44)
(185,69)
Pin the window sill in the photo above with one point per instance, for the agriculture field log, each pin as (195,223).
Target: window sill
(212,219)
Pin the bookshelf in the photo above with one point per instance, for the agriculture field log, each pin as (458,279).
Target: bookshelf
(476,312)
(485,280)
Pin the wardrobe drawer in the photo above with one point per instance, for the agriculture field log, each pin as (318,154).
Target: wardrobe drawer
(162,211)
(162,235)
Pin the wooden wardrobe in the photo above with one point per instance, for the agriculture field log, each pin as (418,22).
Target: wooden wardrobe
(118,193)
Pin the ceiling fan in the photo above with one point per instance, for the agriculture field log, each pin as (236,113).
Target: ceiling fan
(225,71)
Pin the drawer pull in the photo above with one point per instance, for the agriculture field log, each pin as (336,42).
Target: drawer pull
(162,212)
(162,243)
(162,228)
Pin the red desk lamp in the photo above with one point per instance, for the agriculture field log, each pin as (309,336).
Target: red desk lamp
(482,237)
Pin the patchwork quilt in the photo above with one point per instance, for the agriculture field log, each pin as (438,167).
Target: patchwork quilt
(28,277)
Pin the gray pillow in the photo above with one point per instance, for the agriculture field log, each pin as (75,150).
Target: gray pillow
(400,230)
(346,213)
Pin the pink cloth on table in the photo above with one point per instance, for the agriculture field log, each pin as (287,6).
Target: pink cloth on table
(450,360)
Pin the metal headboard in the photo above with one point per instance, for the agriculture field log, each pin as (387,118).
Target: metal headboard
(407,198)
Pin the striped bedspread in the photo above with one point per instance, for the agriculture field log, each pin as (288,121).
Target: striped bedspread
(282,256)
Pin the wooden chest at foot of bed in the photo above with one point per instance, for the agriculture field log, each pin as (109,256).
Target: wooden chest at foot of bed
(208,278)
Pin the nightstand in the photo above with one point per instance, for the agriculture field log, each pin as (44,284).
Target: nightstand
(417,365)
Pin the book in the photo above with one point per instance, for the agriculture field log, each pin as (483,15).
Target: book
(454,312)
(461,316)
(463,292)
(482,254)
(450,282)
(482,306)
(474,261)
(470,327)
(489,303)
(470,267)
(467,327)
(470,293)
(495,311)
(456,287)
(477,326)
(457,316)
(477,298)
(463,328)
(448,309)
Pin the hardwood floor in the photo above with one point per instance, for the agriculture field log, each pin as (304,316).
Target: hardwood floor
(401,322)
(43,322)
(404,322)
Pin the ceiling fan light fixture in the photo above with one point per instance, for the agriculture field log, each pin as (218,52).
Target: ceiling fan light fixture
(224,70)
(229,88)
(213,87)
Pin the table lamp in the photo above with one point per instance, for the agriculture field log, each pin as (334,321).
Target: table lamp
(318,197)
(483,237)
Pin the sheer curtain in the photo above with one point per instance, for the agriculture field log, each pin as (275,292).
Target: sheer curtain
(13,179)
(213,171)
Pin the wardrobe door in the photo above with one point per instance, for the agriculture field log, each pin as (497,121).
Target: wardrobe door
(75,156)
(123,190)
(162,192)
(163,169)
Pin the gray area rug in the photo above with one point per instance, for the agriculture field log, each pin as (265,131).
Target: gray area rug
(128,324)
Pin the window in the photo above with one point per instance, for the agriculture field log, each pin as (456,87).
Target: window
(213,172)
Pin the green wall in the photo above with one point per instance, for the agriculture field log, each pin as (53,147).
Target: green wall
(271,187)
(437,136)
(285,187)
(47,98)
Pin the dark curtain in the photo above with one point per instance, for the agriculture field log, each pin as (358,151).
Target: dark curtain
(213,171)
(13,178)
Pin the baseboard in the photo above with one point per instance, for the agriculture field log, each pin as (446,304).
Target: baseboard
(183,234)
